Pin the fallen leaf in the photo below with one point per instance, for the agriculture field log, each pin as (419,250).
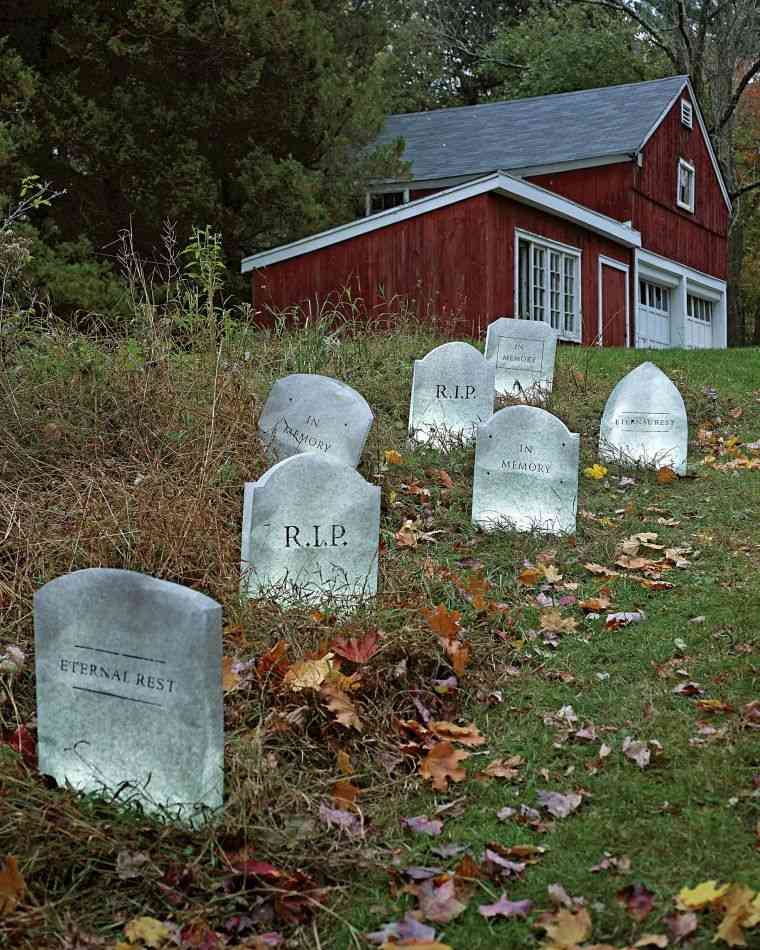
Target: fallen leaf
(409,534)
(424,825)
(665,475)
(681,926)
(441,765)
(345,793)
(530,576)
(503,768)
(552,621)
(343,708)
(350,822)
(637,899)
(465,735)
(595,472)
(506,908)
(392,457)
(637,751)
(410,928)
(701,896)
(559,805)
(565,928)
(273,661)
(230,679)
(308,674)
(356,650)
(130,865)
(149,930)
(438,902)
(12,661)
(12,886)
(742,910)
(443,622)
(652,940)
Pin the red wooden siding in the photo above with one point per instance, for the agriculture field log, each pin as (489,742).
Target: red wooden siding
(699,239)
(605,188)
(455,263)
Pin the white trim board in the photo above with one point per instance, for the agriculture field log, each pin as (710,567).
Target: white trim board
(617,265)
(498,183)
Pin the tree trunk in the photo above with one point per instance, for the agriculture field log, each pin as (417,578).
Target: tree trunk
(736,323)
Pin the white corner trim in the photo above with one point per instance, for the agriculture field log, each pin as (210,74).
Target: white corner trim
(703,129)
(618,265)
(499,183)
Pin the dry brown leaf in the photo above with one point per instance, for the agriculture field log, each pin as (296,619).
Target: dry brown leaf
(441,765)
(601,571)
(230,679)
(308,674)
(12,886)
(503,768)
(409,534)
(565,928)
(443,622)
(339,704)
(665,475)
(552,621)
(465,735)
(344,762)
(345,793)
(530,576)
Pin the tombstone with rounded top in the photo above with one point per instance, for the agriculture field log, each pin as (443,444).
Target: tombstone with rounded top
(526,472)
(523,353)
(305,412)
(311,532)
(129,690)
(644,422)
(452,393)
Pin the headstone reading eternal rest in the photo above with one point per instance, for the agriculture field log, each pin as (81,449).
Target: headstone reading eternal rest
(526,472)
(311,532)
(129,689)
(309,413)
(644,422)
(523,352)
(452,391)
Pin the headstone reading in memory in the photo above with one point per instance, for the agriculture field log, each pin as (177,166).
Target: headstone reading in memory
(452,392)
(129,690)
(644,422)
(526,472)
(311,531)
(523,351)
(310,413)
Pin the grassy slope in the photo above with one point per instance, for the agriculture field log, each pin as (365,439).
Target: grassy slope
(112,459)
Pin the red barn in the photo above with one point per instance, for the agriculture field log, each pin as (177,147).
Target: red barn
(602,212)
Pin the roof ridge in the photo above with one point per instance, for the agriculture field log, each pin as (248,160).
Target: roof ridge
(551,95)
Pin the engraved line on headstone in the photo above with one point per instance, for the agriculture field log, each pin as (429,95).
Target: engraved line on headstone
(102,692)
(132,656)
(518,362)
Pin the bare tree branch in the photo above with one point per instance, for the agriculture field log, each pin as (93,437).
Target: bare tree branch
(654,35)
(682,27)
(746,79)
(744,189)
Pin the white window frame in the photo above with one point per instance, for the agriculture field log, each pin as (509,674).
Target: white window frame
(699,307)
(550,247)
(682,163)
(687,114)
(368,212)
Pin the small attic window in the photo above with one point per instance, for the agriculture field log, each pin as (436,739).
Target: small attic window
(686,113)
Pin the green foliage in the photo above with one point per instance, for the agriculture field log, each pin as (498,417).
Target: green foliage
(566,47)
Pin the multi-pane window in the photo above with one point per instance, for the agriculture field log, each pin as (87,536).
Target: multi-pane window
(699,309)
(685,187)
(383,200)
(654,297)
(547,286)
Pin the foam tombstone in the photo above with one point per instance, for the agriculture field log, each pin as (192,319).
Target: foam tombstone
(644,422)
(526,472)
(452,392)
(523,353)
(311,532)
(305,412)
(129,690)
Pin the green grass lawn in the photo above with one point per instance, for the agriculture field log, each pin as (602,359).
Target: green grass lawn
(116,456)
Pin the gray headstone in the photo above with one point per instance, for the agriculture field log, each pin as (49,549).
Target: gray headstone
(129,690)
(452,392)
(644,422)
(523,351)
(526,472)
(311,531)
(309,413)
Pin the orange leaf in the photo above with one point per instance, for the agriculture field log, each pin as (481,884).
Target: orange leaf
(230,679)
(464,735)
(356,650)
(273,661)
(443,622)
(503,768)
(460,656)
(530,576)
(392,457)
(665,475)
(441,765)
(344,793)
(344,762)
(443,478)
(12,886)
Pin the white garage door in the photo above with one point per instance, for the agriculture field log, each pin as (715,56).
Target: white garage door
(699,322)
(653,316)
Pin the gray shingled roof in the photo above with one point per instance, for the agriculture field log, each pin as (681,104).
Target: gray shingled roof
(520,133)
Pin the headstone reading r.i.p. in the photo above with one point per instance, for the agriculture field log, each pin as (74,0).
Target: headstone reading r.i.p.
(452,392)
(523,352)
(309,413)
(129,690)
(644,422)
(311,531)
(526,472)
